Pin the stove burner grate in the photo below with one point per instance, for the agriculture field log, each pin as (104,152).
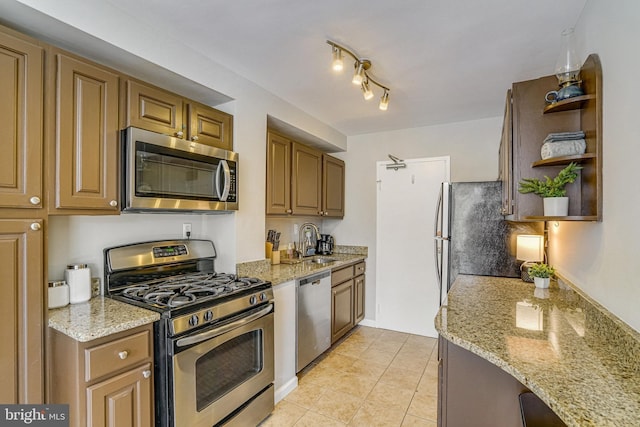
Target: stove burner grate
(177,291)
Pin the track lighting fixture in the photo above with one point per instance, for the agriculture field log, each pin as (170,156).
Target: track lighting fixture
(361,76)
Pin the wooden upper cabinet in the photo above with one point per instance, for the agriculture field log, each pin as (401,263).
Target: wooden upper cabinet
(86,136)
(332,187)
(21,311)
(21,86)
(278,175)
(158,110)
(209,126)
(302,180)
(154,109)
(306,180)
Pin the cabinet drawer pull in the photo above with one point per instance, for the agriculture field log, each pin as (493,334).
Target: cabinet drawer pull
(123,354)
(35,226)
(146,373)
(113,203)
(35,200)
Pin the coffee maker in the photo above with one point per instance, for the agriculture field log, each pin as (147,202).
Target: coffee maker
(325,245)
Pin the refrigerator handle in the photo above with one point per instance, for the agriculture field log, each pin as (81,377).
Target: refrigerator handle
(436,241)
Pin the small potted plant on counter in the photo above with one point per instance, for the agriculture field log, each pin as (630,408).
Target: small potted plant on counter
(541,274)
(552,191)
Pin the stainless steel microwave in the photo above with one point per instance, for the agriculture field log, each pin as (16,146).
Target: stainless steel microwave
(162,173)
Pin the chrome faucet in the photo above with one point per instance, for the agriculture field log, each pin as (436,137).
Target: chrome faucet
(308,238)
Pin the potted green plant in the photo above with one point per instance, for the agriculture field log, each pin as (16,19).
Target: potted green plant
(552,191)
(541,274)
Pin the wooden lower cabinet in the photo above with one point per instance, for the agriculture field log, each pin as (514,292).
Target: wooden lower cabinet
(21,310)
(341,309)
(347,299)
(358,305)
(121,401)
(474,392)
(106,382)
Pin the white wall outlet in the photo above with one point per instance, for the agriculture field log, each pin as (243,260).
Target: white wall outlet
(186,230)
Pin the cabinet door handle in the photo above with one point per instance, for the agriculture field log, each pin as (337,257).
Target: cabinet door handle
(289,211)
(123,354)
(35,226)
(113,203)
(35,200)
(195,138)
(146,373)
(179,134)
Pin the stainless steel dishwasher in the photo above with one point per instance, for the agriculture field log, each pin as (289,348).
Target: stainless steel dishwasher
(313,309)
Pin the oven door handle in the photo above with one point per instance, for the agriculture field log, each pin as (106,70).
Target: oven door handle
(195,339)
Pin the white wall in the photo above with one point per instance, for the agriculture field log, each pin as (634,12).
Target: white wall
(473,147)
(602,258)
(81,239)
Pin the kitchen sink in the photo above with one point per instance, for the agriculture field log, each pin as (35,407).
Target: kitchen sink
(321,260)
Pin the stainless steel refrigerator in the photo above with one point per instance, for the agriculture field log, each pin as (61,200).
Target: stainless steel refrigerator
(471,235)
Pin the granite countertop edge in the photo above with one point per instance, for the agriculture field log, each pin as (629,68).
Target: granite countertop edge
(97,318)
(573,413)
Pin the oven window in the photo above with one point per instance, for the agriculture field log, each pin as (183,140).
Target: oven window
(165,175)
(227,366)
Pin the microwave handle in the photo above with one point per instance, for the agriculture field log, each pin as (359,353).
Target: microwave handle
(223,168)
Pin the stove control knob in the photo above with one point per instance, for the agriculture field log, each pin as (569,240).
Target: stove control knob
(253,300)
(193,320)
(263,296)
(208,316)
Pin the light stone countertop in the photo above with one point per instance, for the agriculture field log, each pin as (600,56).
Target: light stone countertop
(98,317)
(281,273)
(581,360)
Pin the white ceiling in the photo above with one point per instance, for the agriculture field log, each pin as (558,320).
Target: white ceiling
(444,60)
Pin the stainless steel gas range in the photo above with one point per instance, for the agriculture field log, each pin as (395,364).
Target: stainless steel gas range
(214,342)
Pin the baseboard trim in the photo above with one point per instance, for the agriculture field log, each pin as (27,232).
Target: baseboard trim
(285,389)
(367,322)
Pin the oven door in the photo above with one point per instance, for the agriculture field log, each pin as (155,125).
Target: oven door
(218,370)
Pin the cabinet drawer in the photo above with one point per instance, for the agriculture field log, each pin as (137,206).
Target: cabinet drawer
(360,268)
(339,276)
(116,355)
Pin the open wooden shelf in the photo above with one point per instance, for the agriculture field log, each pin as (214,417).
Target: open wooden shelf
(575,103)
(563,160)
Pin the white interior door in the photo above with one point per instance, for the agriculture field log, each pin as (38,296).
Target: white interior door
(406,289)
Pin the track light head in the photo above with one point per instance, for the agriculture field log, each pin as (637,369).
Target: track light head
(384,101)
(358,75)
(337,64)
(366,90)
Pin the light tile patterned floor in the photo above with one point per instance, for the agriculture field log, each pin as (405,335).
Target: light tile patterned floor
(374,377)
